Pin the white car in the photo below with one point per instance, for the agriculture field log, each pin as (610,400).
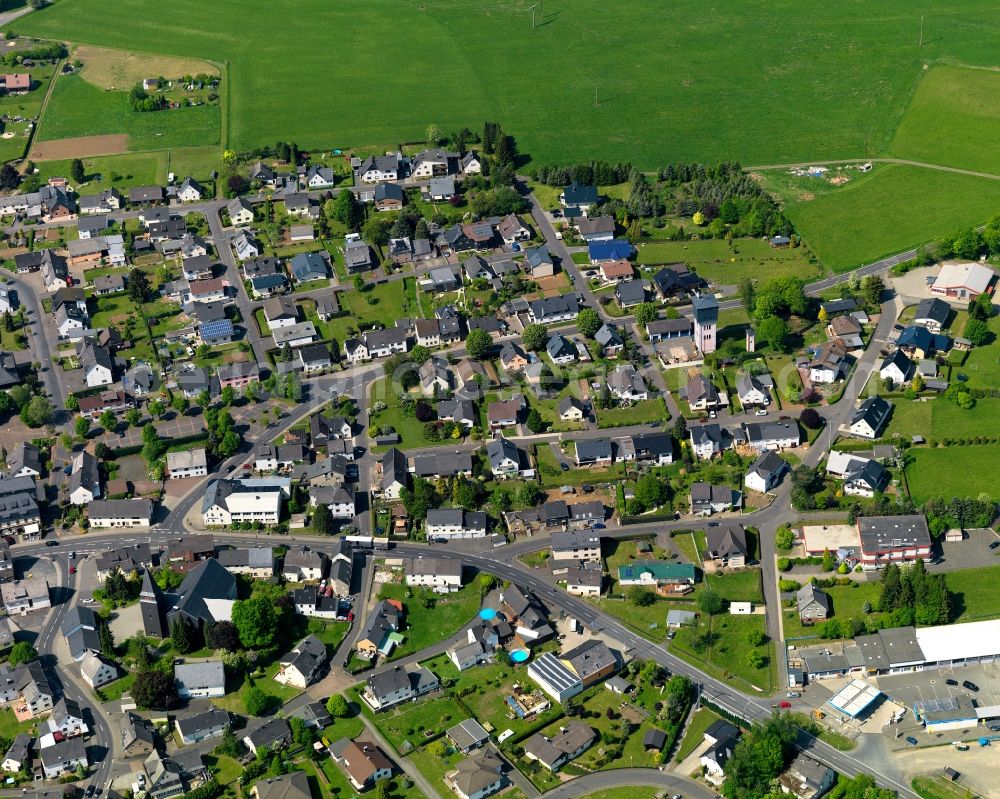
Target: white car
(760,412)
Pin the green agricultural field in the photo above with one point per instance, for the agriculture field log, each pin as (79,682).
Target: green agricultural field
(953,472)
(951,98)
(889,210)
(939,418)
(800,80)
(975,595)
(79,108)
(729,262)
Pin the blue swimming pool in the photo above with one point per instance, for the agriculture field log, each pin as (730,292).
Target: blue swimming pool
(487,614)
(520,655)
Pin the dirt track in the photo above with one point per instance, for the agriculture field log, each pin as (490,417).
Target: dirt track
(79,147)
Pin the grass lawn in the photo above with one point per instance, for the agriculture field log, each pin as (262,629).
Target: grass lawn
(947,96)
(426,626)
(965,471)
(490,685)
(79,108)
(975,596)
(676,105)
(729,262)
(652,410)
(413,723)
(412,434)
(889,210)
(223,768)
(10,726)
(739,586)
(114,690)
(824,733)
(718,646)
(392,301)
(631,792)
(846,602)
(277,694)
(552,476)
(700,720)
(983,364)
(937,787)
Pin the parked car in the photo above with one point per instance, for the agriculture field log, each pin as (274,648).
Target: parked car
(784,705)
(911,740)
(793,695)
(968,685)
(51,543)
(72,569)
(995,544)
(760,412)
(950,681)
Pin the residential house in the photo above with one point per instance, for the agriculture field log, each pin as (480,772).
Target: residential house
(228,501)
(19,507)
(255,562)
(561,350)
(71,322)
(24,461)
(630,293)
(656,448)
(272,735)
(294,785)
(297,335)
(776,435)
(707,499)
(506,460)
(109,284)
(395,474)
(357,256)
(443,575)
(575,547)
(585,579)
(669,329)
(870,418)
(609,340)
(303,565)
(570,409)
(596,228)
(594,452)
(246,245)
(389,197)
(96,671)
(365,764)
(702,395)
(806,778)
(376,635)
(766,472)
(187,463)
(625,384)
(932,314)
(467,736)
(138,736)
(210,723)
(441,189)
(433,162)
(512,229)
(896,368)
(18,755)
(307,266)
(752,392)
(97,364)
(84,480)
(568,744)
(319,177)
(665,577)
(240,212)
(478,776)
(120,513)
(727,546)
(579,195)
(512,357)
(451,523)
(203,680)
(304,664)
(721,737)
(505,413)
(388,688)
(611,250)
(829,364)
(813,604)
(64,757)
(190,191)
(538,262)
(862,476)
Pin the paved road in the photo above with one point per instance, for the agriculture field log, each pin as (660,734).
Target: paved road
(630,777)
(39,330)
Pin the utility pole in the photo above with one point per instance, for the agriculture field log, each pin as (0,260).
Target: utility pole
(921,43)
(538,6)
(597,102)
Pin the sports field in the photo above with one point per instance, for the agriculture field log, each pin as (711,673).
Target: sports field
(648,83)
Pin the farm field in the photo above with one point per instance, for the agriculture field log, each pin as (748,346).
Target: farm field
(729,262)
(938,418)
(134,169)
(667,87)
(965,471)
(946,96)
(887,211)
(78,108)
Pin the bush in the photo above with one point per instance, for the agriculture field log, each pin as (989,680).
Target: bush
(788,585)
(784,564)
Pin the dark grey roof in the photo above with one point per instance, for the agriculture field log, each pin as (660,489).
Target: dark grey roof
(593,449)
(207,580)
(881,533)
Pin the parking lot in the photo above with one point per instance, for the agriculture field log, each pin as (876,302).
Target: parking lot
(971,553)
(930,687)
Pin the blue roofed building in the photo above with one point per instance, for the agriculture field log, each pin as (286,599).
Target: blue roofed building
(268,285)
(613,250)
(218,331)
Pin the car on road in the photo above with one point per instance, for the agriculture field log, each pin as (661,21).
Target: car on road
(968,685)
(950,681)
(784,705)
(784,418)
(793,695)
(995,544)
(72,569)
(911,740)
(51,543)
(90,791)
(72,555)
